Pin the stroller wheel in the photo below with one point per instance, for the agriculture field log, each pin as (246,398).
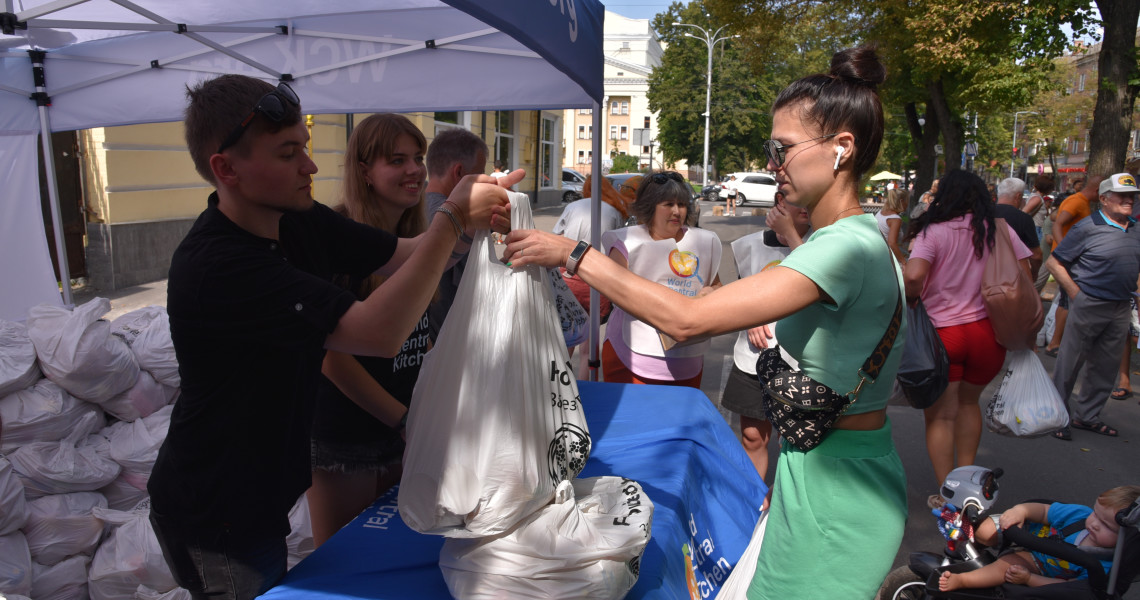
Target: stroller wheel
(902,584)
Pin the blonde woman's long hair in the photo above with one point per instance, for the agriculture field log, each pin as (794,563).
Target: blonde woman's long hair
(373,139)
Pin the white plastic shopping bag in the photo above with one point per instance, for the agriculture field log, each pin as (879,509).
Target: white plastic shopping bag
(586,544)
(18,366)
(736,586)
(495,421)
(129,557)
(1027,403)
(1050,325)
(77,351)
(574,319)
(65,580)
(62,525)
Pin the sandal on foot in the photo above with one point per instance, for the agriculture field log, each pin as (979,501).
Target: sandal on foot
(1095,427)
(1063,433)
(1121,393)
(1052,352)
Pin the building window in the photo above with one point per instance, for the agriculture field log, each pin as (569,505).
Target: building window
(505,138)
(624,132)
(647,122)
(1077,117)
(645,149)
(1081,83)
(625,108)
(581,132)
(585,111)
(581,157)
(546,152)
(613,132)
(447,117)
(615,108)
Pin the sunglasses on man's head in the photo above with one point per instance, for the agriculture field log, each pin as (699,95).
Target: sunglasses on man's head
(664,176)
(271,106)
(777,151)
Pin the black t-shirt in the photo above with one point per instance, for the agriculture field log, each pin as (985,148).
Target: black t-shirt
(336,418)
(1021,223)
(249,317)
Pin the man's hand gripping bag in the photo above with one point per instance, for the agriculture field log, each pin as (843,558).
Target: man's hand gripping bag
(495,421)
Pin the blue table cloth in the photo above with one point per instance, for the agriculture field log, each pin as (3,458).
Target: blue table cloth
(705,491)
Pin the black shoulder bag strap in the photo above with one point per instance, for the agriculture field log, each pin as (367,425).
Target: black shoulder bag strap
(874,363)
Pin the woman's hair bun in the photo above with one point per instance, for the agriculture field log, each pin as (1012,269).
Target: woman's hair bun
(859,65)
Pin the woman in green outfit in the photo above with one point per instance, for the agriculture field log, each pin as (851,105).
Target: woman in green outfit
(837,511)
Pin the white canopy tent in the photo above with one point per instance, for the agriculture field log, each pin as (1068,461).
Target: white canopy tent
(77,64)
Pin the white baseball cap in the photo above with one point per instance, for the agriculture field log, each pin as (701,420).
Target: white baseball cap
(1123,183)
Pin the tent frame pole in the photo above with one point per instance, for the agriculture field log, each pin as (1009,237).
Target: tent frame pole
(595,236)
(43,101)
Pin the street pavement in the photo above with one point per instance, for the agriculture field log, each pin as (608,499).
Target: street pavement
(1038,468)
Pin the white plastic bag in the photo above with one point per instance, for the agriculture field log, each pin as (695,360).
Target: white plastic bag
(1027,404)
(573,319)
(143,398)
(78,352)
(65,580)
(300,538)
(41,413)
(128,558)
(61,525)
(147,332)
(15,564)
(64,466)
(585,548)
(495,421)
(13,505)
(145,593)
(1046,332)
(736,586)
(18,366)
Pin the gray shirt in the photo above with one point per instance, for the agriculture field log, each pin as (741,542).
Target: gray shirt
(1102,259)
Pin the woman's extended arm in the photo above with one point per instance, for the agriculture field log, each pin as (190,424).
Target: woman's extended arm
(351,378)
(756,300)
(914,277)
(894,226)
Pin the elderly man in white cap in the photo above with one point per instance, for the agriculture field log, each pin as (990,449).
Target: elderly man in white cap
(1097,264)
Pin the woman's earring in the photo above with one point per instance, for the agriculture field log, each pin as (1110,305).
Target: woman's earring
(838,156)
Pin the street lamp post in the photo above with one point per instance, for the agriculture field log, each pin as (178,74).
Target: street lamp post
(1013,158)
(710,40)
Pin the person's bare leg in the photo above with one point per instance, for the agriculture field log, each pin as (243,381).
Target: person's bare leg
(335,499)
(1125,379)
(755,435)
(968,424)
(990,575)
(940,419)
(1058,329)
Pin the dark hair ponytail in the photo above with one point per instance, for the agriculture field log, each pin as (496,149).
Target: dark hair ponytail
(846,99)
(960,193)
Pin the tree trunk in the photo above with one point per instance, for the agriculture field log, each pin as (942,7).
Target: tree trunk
(925,137)
(1112,117)
(949,123)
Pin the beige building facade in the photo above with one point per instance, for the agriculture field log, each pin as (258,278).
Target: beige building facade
(632,50)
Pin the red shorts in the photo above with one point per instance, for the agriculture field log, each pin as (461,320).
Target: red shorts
(975,356)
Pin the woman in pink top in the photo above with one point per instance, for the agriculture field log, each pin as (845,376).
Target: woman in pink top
(952,240)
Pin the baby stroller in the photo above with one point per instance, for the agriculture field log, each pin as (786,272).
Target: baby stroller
(970,493)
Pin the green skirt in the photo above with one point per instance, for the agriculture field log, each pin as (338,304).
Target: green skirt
(836,519)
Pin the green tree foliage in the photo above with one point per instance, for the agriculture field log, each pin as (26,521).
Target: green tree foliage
(1061,112)
(624,163)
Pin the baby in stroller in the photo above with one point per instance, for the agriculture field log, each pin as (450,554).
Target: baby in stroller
(1076,524)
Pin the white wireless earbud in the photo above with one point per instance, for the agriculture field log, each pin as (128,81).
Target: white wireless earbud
(838,156)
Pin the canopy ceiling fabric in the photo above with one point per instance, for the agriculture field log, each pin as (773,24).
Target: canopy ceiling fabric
(125,62)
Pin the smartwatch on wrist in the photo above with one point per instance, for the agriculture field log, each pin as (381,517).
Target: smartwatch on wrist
(576,257)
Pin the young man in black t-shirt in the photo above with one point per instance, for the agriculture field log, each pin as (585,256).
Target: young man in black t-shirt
(252,310)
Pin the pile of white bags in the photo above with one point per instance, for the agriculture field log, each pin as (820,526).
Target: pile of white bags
(83,441)
(496,433)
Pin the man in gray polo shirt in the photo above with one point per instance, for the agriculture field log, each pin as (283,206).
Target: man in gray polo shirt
(1097,264)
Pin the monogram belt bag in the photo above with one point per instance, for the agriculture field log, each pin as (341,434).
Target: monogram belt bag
(804,410)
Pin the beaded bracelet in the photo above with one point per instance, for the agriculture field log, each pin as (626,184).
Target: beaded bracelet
(454,220)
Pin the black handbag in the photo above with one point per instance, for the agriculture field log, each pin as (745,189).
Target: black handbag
(924,371)
(804,410)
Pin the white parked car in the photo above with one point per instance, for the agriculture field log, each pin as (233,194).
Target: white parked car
(751,188)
